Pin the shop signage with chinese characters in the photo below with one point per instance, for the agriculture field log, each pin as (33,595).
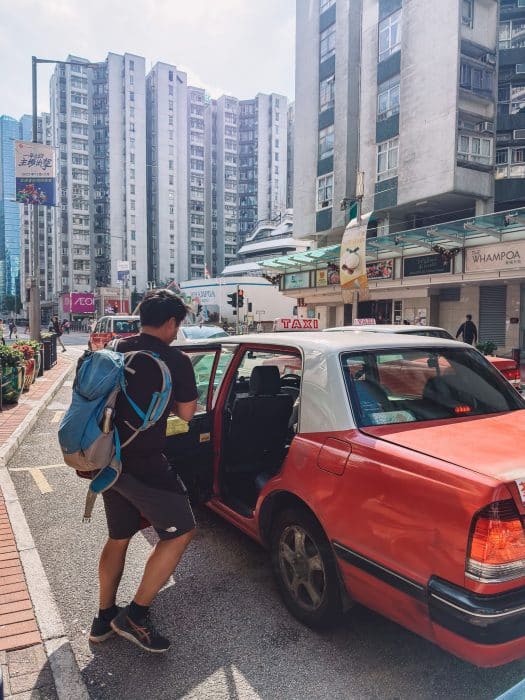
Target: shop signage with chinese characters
(500,256)
(321,278)
(426,265)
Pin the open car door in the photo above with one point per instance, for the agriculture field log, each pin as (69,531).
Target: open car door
(189,446)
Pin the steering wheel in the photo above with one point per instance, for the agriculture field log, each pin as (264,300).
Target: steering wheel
(291,379)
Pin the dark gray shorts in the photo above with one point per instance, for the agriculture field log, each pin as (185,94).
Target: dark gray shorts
(163,501)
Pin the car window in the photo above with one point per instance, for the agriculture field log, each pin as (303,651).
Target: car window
(126,326)
(413,385)
(201,332)
(202,363)
(104,325)
(431,333)
(98,326)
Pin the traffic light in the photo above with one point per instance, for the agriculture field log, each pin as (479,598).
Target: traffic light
(233,299)
(240,302)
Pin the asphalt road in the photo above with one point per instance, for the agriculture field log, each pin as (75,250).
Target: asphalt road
(232,637)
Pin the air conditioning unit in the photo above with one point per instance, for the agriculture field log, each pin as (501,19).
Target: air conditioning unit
(487,127)
(518,134)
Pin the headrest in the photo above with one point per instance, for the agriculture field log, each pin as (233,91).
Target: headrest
(265,380)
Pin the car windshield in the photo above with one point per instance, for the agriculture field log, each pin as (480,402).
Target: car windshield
(200,332)
(131,326)
(412,385)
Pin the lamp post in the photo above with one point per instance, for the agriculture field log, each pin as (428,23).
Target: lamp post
(34,290)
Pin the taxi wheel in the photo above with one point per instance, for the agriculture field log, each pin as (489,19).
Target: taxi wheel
(305,569)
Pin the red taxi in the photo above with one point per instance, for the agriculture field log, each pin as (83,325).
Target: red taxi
(377,469)
(108,328)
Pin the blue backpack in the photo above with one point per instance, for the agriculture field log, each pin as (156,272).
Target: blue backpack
(87,436)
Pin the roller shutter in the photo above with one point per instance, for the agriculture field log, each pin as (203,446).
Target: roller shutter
(492,314)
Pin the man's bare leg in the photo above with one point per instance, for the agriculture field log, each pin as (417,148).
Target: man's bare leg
(110,568)
(160,565)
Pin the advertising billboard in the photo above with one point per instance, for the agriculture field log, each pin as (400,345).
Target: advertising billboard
(82,303)
(500,256)
(35,173)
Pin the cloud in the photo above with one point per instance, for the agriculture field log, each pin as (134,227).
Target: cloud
(230,46)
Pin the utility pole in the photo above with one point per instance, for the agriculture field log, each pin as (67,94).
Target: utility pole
(34,291)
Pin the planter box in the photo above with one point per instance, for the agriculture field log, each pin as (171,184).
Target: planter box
(12,383)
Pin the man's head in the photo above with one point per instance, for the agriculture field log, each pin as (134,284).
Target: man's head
(469,317)
(161,313)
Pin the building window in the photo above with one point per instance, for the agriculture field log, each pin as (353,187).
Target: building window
(472,77)
(326,142)
(389,35)
(326,93)
(467,13)
(132,65)
(327,43)
(512,34)
(170,89)
(387,159)
(475,149)
(170,76)
(388,98)
(170,105)
(132,96)
(325,186)
(170,120)
(324,5)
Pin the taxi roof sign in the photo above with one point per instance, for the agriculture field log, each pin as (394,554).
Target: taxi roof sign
(296,324)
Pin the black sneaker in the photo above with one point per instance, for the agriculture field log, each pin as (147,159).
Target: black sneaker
(144,635)
(101,629)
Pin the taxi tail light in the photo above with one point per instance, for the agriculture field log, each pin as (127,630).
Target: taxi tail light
(496,551)
(513,375)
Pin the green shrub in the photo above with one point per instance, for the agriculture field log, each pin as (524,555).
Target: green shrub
(487,347)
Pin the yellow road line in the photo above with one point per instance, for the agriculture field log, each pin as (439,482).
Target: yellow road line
(42,466)
(56,418)
(41,481)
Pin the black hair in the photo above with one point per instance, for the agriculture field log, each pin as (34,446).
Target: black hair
(469,317)
(159,305)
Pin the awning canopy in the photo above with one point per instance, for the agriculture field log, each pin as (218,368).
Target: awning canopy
(479,230)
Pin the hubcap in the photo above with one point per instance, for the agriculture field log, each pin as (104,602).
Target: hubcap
(302,567)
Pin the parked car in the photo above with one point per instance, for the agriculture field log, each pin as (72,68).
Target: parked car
(108,328)
(385,470)
(509,368)
(198,332)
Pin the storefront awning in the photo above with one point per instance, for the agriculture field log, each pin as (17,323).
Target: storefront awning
(479,230)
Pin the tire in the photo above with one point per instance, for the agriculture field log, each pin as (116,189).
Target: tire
(305,569)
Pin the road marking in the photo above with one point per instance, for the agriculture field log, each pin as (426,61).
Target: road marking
(40,480)
(56,418)
(42,466)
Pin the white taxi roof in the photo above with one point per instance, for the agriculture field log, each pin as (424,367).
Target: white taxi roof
(385,328)
(324,405)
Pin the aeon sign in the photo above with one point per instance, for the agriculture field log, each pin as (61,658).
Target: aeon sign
(82,303)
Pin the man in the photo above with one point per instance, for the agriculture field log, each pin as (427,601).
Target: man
(147,486)
(468,331)
(58,332)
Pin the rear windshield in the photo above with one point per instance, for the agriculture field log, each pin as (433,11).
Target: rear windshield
(132,326)
(413,385)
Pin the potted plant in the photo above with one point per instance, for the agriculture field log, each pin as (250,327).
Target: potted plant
(29,360)
(37,348)
(13,372)
(487,347)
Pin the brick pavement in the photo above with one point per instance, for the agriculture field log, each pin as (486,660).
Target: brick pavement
(26,671)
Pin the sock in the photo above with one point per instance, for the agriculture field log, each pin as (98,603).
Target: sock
(107,614)
(137,612)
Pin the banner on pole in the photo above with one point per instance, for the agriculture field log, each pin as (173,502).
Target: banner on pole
(352,265)
(122,269)
(35,173)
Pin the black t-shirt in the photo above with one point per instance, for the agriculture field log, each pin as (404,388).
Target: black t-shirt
(142,384)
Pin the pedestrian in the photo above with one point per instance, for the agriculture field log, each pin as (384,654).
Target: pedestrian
(147,485)
(13,329)
(468,331)
(406,323)
(2,339)
(58,331)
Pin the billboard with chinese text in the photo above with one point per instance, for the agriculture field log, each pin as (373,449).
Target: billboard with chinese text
(35,173)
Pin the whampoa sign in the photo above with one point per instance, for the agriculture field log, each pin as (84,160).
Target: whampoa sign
(500,256)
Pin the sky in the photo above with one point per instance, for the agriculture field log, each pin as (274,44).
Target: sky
(236,47)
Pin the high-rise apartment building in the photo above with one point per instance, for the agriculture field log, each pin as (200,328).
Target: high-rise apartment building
(290,154)
(198,182)
(167,167)
(262,160)
(363,105)
(225,181)
(510,151)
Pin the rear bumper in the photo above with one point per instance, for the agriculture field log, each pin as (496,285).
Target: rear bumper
(483,619)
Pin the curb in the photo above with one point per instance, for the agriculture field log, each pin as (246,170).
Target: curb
(64,669)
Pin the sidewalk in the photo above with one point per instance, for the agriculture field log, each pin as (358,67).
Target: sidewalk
(26,669)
